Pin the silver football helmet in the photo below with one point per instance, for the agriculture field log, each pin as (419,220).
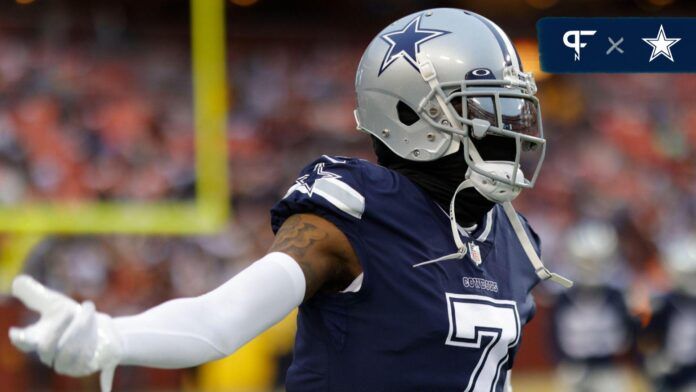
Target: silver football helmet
(592,248)
(679,259)
(438,78)
(434,81)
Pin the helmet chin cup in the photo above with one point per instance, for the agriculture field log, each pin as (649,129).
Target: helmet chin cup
(494,190)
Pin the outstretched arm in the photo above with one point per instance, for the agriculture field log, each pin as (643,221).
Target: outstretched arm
(309,254)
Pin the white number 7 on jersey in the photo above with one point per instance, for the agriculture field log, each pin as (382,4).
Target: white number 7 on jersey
(473,318)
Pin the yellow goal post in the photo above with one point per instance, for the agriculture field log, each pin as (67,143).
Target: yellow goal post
(24,224)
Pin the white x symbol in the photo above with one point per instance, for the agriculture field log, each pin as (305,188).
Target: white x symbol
(615,45)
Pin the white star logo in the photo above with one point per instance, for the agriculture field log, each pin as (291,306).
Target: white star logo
(320,173)
(661,45)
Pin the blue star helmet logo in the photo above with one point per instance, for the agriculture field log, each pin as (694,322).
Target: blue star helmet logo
(405,43)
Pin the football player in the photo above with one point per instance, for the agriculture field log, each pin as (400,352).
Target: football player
(413,274)
(592,325)
(670,338)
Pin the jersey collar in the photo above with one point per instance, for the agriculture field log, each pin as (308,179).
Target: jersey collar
(480,233)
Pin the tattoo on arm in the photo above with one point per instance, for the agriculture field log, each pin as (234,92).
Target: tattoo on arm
(297,238)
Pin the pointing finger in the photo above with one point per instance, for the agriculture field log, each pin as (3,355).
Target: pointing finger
(33,294)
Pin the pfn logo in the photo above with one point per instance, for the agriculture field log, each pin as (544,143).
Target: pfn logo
(576,43)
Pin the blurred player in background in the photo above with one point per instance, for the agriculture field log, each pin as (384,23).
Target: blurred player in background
(414,274)
(670,339)
(592,325)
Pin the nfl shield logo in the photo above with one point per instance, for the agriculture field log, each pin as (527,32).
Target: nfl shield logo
(475,253)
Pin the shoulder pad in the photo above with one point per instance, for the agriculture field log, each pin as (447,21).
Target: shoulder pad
(334,181)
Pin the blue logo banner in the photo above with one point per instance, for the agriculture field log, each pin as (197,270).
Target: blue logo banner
(624,45)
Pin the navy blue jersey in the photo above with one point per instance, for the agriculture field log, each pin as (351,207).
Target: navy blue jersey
(592,325)
(446,326)
(673,326)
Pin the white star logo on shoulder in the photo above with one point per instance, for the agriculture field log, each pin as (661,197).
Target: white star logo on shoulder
(329,186)
(318,174)
(661,45)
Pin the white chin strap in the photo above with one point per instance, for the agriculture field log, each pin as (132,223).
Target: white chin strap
(493,190)
(542,272)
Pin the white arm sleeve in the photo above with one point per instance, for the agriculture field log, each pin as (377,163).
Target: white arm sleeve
(190,331)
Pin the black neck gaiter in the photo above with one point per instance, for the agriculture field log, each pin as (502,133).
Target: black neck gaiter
(439,178)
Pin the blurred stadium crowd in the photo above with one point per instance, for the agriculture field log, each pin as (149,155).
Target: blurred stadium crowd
(83,122)
(111,119)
